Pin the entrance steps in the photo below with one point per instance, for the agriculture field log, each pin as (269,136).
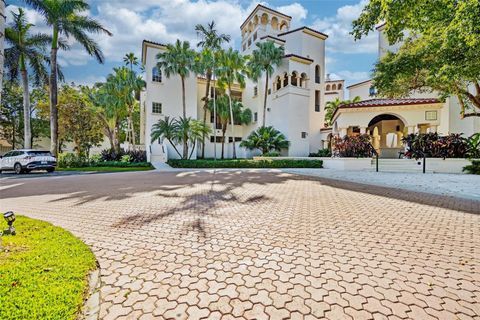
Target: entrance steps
(399,165)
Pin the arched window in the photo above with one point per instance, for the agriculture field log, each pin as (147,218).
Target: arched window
(285,79)
(334,86)
(339,86)
(274,23)
(283,26)
(156,75)
(317,74)
(303,80)
(278,83)
(264,19)
(328,87)
(293,80)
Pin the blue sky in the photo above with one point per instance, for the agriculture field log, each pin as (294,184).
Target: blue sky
(166,20)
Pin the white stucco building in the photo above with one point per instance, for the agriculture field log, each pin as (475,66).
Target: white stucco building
(388,120)
(295,99)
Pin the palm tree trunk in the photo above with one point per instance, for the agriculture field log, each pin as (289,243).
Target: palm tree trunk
(27,131)
(224,129)
(3,19)
(205,108)
(185,137)
(265,99)
(234,154)
(53,96)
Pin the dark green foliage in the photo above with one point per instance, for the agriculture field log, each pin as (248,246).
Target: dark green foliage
(265,139)
(433,145)
(114,155)
(353,146)
(244,163)
(321,153)
(474,168)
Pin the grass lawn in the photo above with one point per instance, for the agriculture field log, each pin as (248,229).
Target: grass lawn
(107,169)
(43,272)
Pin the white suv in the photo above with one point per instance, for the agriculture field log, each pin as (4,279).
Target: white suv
(26,160)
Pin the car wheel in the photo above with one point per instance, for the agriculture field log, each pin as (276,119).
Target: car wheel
(50,170)
(17,168)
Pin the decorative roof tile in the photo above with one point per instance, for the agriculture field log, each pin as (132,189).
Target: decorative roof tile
(389,102)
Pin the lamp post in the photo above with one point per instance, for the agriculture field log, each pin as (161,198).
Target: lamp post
(10,218)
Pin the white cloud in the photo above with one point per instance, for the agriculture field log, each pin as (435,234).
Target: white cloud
(296,11)
(339,27)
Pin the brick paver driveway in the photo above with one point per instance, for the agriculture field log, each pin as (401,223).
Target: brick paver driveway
(255,245)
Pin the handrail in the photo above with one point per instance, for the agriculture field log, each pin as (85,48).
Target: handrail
(424,160)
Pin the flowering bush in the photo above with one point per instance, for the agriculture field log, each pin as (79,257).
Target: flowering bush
(353,146)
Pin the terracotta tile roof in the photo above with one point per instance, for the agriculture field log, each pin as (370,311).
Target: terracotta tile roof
(389,102)
(297,56)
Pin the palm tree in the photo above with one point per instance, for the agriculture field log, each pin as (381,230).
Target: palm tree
(178,59)
(3,18)
(264,59)
(67,18)
(130,60)
(265,139)
(242,116)
(231,70)
(166,129)
(25,50)
(123,85)
(210,42)
(332,106)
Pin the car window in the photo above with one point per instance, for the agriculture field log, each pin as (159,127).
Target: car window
(17,153)
(8,154)
(39,153)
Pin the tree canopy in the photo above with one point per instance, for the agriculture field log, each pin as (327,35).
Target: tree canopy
(439,48)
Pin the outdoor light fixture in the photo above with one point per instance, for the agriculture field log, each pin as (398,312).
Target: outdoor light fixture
(10,218)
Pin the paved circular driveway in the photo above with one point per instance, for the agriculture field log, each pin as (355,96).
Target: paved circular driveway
(264,245)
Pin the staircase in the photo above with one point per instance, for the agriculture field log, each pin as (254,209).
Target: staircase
(399,165)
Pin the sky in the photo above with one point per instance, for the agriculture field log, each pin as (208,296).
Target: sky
(164,21)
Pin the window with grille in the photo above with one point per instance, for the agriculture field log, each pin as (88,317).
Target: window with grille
(255,116)
(156,107)
(255,91)
(156,75)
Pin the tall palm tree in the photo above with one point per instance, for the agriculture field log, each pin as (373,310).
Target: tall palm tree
(243,116)
(263,60)
(211,41)
(178,59)
(123,84)
(130,60)
(25,51)
(231,68)
(66,18)
(3,18)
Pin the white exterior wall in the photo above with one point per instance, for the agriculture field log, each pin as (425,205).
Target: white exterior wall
(169,94)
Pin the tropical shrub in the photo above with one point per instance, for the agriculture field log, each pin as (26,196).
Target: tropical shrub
(474,168)
(134,156)
(244,163)
(353,146)
(266,139)
(432,145)
(321,153)
(70,160)
(473,146)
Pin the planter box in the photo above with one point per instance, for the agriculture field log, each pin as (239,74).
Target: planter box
(332,163)
(440,165)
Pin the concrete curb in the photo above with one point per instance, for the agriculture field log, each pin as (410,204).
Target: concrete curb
(91,307)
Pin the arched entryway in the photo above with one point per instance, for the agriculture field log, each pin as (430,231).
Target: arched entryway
(387,131)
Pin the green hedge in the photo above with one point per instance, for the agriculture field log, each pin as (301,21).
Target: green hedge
(474,168)
(243,163)
(119,164)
